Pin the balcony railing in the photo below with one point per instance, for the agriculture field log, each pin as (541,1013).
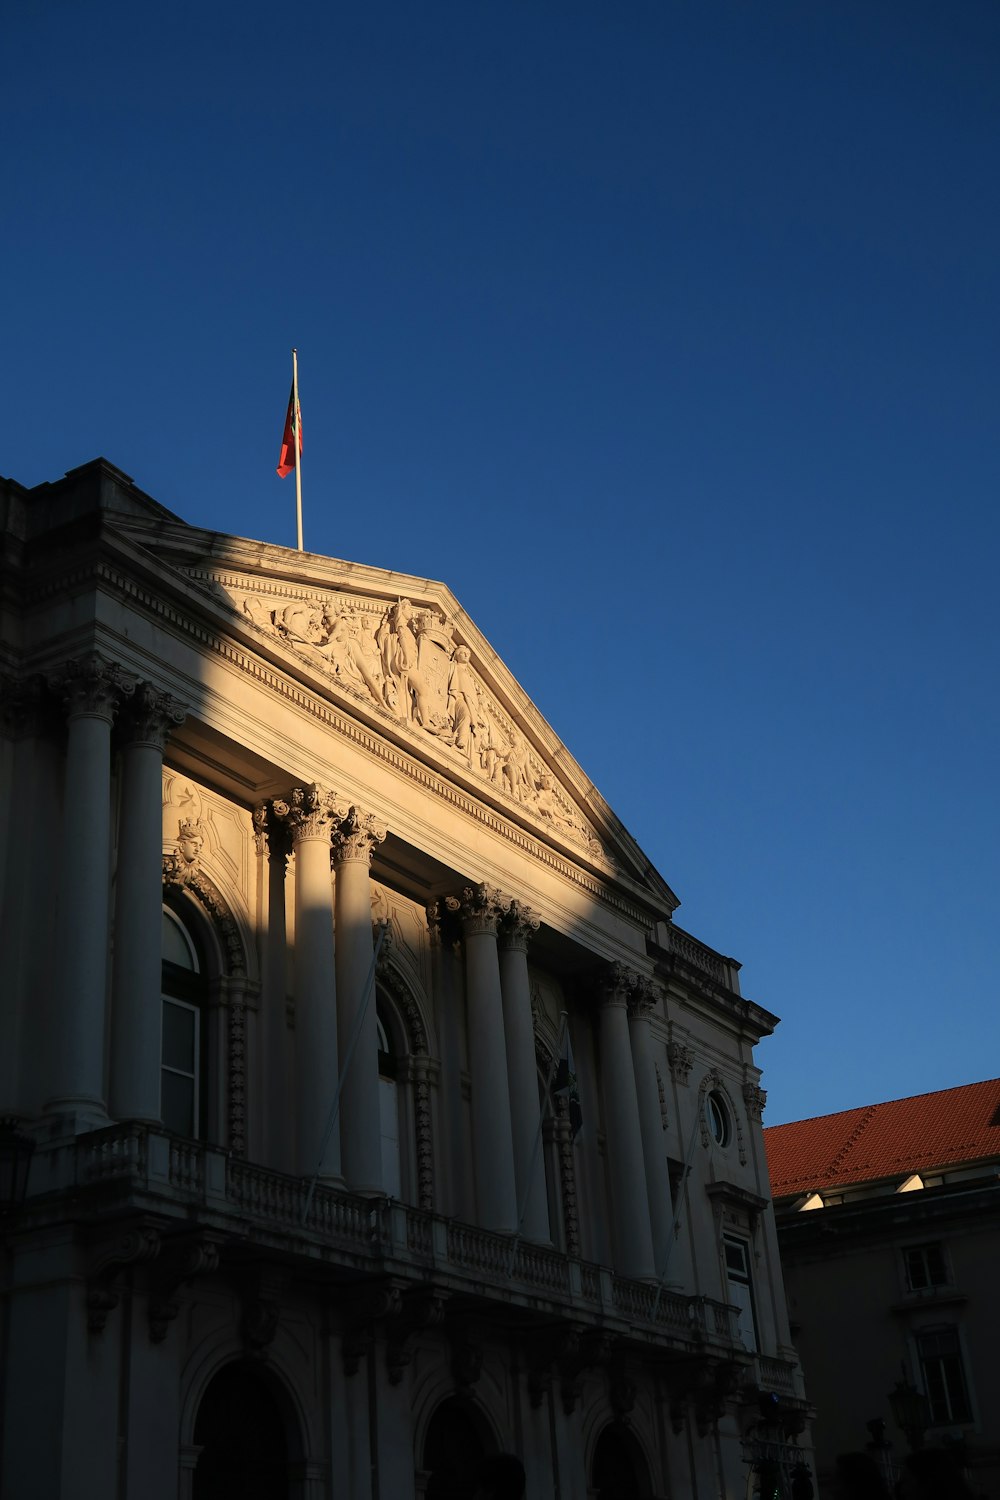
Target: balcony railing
(392,1236)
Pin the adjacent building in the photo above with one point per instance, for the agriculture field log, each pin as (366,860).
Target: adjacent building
(305,908)
(889,1227)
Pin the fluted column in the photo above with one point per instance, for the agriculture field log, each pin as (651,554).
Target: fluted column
(492,1150)
(515,929)
(274,840)
(135,993)
(92,691)
(354,841)
(654,1151)
(627,1172)
(310,813)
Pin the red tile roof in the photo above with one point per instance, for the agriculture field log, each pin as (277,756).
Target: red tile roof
(877,1141)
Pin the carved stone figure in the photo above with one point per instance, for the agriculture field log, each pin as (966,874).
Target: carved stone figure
(516,769)
(463,701)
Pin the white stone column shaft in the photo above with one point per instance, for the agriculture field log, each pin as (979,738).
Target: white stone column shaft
(522,1073)
(626,1166)
(651,1123)
(360,1131)
(310,812)
(136,1009)
(492,1146)
(92,690)
(274,842)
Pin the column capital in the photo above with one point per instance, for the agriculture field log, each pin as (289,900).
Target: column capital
(272,836)
(151,716)
(480,908)
(356,837)
(643,999)
(91,687)
(517,926)
(615,984)
(309,812)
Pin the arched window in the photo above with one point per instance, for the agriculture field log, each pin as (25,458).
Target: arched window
(242,1434)
(619,1469)
(456,1444)
(182,1041)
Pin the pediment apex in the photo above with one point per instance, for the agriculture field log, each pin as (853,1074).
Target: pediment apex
(400,652)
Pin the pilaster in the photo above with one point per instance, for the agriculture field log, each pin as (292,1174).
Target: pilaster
(515,930)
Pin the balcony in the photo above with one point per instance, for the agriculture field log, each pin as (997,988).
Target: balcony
(175,1185)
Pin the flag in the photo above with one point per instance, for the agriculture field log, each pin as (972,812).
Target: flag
(293,424)
(565,1083)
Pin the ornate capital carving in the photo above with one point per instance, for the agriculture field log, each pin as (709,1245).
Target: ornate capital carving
(309,812)
(480,908)
(681,1060)
(616,983)
(754,1097)
(517,926)
(643,999)
(151,716)
(357,837)
(91,687)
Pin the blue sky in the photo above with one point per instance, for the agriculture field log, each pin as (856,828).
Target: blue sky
(667,335)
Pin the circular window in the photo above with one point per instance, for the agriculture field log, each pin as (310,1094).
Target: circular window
(718,1119)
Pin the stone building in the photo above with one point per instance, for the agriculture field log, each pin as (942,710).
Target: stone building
(270,820)
(889,1226)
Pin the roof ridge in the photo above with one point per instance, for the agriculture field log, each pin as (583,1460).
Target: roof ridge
(852,1139)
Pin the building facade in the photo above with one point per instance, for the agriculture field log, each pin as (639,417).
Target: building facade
(304,905)
(889,1227)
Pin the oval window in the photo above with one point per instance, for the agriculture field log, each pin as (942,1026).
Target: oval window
(718,1118)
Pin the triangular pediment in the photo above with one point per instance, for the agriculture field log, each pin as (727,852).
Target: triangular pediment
(401,654)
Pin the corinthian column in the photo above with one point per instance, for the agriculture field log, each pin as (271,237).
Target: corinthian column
(92,690)
(492,1150)
(310,812)
(135,993)
(360,1133)
(274,839)
(641,1003)
(515,929)
(627,1171)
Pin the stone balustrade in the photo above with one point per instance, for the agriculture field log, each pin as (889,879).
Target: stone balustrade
(146,1164)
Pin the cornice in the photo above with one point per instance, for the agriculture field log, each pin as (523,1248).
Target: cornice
(282,682)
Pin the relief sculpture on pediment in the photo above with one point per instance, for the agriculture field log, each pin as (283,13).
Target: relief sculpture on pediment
(406,661)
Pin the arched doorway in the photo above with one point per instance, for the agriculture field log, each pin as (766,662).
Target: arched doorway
(619,1469)
(457,1442)
(244,1444)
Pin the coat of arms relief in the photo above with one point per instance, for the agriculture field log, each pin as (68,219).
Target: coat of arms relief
(405,659)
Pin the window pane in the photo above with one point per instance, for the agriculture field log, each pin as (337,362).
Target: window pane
(177,1103)
(178,1036)
(176,948)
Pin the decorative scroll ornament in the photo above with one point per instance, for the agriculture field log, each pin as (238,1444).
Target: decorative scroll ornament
(309,811)
(151,716)
(408,665)
(480,907)
(357,837)
(91,687)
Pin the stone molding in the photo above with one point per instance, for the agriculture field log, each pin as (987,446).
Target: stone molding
(356,837)
(90,687)
(151,717)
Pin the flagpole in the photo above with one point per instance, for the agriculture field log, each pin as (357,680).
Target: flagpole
(297,443)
